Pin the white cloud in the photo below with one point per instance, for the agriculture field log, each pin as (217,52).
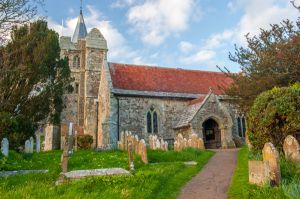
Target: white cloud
(122,3)
(260,14)
(118,48)
(155,20)
(186,46)
(199,57)
(257,14)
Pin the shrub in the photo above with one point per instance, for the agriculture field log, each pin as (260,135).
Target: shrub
(84,141)
(17,129)
(274,115)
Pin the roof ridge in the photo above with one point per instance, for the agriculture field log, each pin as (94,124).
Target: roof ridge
(167,68)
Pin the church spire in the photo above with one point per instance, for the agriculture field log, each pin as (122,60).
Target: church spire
(80,30)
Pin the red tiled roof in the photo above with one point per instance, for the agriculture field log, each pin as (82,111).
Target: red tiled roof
(158,79)
(198,100)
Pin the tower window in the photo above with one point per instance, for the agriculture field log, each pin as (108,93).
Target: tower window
(76,88)
(76,61)
(152,121)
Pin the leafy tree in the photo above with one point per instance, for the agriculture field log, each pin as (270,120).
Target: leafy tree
(16,12)
(270,59)
(32,80)
(274,115)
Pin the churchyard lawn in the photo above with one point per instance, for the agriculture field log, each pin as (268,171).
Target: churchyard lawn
(163,177)
(240,188)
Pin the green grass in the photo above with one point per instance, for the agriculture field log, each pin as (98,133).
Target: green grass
(163,179)
(240,188)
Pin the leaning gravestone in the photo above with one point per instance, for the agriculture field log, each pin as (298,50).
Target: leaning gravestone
(31,145)
(27,146)
(4,147)
(271,156)
(291,149)
(258,172)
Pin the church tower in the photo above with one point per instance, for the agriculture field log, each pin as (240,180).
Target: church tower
(86,52)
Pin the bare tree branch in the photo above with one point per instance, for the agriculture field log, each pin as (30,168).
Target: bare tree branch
(15,13)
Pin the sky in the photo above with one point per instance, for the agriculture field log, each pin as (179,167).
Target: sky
(189,34)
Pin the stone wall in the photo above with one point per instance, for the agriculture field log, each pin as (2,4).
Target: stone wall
(107,110)
(133,111)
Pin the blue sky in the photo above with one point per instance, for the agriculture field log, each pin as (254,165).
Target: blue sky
(193,34)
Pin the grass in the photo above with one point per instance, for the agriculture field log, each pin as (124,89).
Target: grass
(240,188)
(163,179)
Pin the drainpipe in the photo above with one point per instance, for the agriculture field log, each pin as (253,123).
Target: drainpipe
(118,122)
(97,120)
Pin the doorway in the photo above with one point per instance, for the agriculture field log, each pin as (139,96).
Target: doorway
(211,134)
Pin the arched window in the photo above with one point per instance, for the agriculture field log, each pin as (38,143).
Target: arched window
(152,121)
(241,125)
(244,126)
(149,122)
(76,61)
(155,125)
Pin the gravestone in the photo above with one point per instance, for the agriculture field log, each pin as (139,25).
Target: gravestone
(258,172)
(130,156)
(291,149)
(27,146)
(157,144)
(65,157)
(270,155)
(38,142)
(136,143)
(142,151)
(5,147)
(52,137)
(31,144)
(71,138)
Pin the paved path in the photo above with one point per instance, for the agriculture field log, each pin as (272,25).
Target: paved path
(214,179)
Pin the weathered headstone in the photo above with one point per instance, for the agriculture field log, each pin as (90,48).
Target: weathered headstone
(157,144)
(291,149)
(258,172)
(52,138)
(38,142)
(5,147)
(71,138)
(31,144)
(64,158)
(270,155)
(130,156)
(142,151)
(27,146)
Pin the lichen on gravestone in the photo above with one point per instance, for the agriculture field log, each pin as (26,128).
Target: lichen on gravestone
(270,155)
(291,149)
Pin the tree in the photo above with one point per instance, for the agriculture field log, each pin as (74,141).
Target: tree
(33,79)
(14,13)
(271,59)
(274,115)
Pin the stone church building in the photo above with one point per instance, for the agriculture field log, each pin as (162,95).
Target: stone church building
(112,97)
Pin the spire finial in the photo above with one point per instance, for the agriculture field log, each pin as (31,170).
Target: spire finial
(80,6)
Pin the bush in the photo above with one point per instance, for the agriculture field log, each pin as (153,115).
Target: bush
(17,129)
(274,115)
(84,141)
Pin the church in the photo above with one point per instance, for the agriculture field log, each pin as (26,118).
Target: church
(109,98)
